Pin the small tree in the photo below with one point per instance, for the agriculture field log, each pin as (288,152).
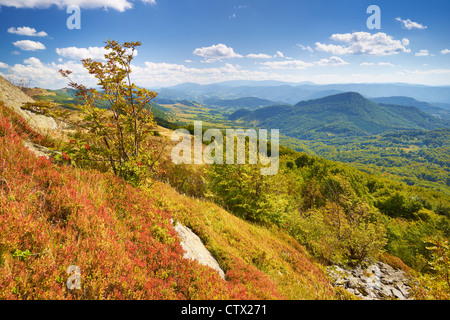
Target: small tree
(116,119)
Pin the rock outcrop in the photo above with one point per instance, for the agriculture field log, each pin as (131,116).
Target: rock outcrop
(377,282)
(195,249)
(14,98)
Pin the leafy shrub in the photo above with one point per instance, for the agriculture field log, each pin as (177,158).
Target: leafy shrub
(116,121)
(436,284)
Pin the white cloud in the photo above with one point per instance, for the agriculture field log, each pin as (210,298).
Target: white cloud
(365,43)
(27,31)
(333,61)
(28,45)
(258,56)
(158,74)
(95,53)
(299,64)
(381,64)
(35,62)
(279,54)
(445,51)
(422,53)
(82,53)
(305,48)
(386,64)
(288,64)
(119,5)
(216,53)
(428,72)
(3,65)
(408,24)
(47,75)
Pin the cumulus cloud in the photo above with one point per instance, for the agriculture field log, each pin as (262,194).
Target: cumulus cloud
(95,53)
(422,53)
(82,53)
(3,65)
(445,51)
(46,75)
(27,31)
(119,5)
(28,45)
(167,74)
(216,52)
(364,43)
(408,24)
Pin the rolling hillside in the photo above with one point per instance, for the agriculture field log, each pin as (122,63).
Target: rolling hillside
(347,114)
(123,238)
(424,106)
(246,102)
(272,236)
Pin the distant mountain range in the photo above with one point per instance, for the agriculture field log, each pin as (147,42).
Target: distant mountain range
(345,114)
(291,93)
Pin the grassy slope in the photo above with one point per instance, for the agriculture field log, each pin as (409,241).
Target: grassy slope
(54,216)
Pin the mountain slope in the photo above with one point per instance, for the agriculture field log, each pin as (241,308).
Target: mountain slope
(14,98)
(407,101)
(346,114)
(122,239)
(246,102)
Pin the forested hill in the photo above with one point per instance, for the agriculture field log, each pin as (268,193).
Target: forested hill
(346,114)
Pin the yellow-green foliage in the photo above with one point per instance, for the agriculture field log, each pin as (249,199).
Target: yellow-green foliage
(436,284)
(272,255)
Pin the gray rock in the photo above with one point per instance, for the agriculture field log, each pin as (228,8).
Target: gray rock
(397,294)
(402,288)
(377,281)
(352,282)
(195,249)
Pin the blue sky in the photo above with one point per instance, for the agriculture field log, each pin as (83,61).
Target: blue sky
(207,41)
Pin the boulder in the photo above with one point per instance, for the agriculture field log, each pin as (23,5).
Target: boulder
(377,281)
(195,250)
(14,98)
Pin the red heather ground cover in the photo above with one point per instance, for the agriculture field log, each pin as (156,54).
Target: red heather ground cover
(53,216)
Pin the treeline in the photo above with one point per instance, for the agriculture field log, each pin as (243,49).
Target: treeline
(416,157)
(341,214)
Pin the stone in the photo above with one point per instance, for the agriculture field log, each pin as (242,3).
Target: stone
(195,249)
(14,98)
(402,288)
(397,294)
(385,292)
(386,279)
(377,281)
(352,282)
